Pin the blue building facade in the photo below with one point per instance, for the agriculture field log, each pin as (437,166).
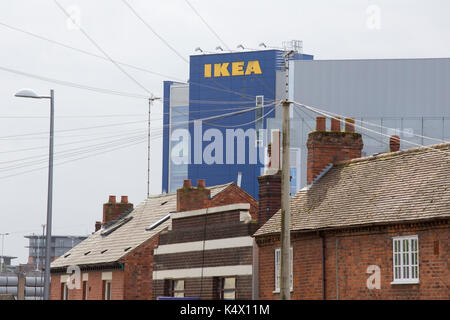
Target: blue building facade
(224,105)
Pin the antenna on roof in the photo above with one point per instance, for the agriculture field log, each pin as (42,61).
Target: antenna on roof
(294,45)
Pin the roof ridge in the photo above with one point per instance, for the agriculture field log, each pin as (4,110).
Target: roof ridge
(394,154)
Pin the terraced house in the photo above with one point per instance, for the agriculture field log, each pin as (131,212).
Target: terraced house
(117,261)
(365,228)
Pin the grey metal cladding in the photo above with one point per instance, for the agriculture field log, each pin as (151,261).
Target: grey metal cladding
(375,88)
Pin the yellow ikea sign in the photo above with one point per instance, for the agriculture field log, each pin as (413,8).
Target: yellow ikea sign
(238,68)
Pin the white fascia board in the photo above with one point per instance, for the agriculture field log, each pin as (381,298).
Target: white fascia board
(223,243)
(223,271)
(193,213)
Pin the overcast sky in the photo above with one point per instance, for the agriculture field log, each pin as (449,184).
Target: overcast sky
(331,29)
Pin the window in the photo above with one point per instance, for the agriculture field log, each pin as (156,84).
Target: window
(259,120)
(85,290)
(278,269)
(64,291)
(228,289)
(174,288)
(107,290)
(406,259)
(178,288)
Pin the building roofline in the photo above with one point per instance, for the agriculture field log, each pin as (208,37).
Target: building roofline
(360,225)
(386,155)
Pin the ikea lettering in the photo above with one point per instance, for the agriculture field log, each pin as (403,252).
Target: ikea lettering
(237,68)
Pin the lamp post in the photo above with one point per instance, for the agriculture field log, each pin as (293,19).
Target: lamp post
(27,93)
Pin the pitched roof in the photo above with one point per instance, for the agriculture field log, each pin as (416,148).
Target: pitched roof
(393,187)
(110,248)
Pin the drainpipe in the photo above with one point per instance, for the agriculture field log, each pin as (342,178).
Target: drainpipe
(337,269)
(322,236)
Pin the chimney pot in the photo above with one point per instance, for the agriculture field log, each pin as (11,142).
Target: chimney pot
(201,183)
(124,199)
(187,183)
(98,225)
(336,124)
(112,199)
(349,124)
(394,143)
(321,124)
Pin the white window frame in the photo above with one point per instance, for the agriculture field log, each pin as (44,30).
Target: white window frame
(277,262)
(65,292)
(405,260)
(107,288)
(178,288)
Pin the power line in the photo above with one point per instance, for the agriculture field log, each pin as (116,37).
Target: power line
(75,85)
(84,51)
(154,31)
(75,129)
(102,51)
(339,117)
(207,25)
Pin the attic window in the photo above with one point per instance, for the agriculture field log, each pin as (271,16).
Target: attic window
(103,251)
(157,223)
(114,227)
(126,249)
(86,253)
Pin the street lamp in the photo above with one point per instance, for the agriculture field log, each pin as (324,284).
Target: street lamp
(27,93)
(3,257)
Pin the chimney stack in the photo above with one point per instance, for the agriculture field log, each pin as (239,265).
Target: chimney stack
(269,193)
(394,143)
(326,147)
(98,225)
(112,209)
(192,198)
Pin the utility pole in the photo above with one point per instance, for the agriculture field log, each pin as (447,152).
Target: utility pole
(285,239)
(150,103)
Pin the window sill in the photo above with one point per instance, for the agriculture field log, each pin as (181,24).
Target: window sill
(405,282)
(278,291)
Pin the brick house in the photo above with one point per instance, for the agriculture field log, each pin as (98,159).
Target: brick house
(208,253)
(364,228)
(116,262)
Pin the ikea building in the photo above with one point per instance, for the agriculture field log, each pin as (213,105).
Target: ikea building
(229,103)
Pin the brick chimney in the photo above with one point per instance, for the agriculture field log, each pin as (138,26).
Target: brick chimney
(394,143)
(98,225)
(112,209)
(270,183)
(325,147)
(192,198)
(269,196)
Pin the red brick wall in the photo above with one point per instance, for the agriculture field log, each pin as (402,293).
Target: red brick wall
(232,195)
(138,271)
(191,198)
(95,286)
(357,250)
